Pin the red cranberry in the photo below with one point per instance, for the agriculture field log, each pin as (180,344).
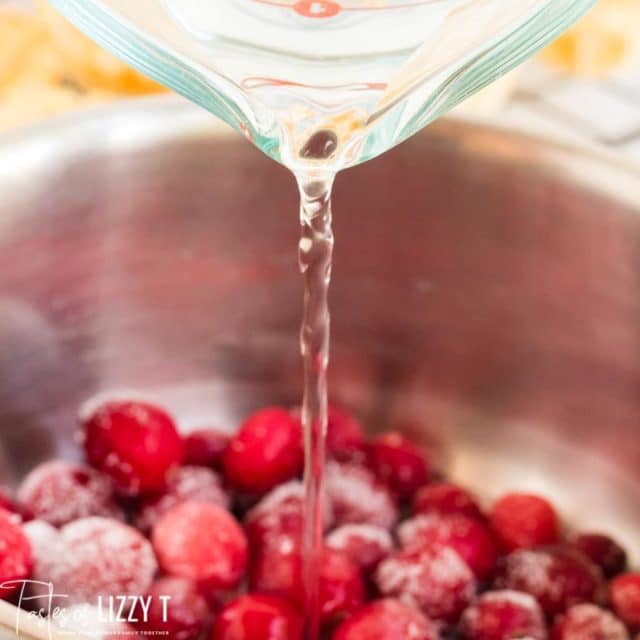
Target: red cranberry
(602,551)
(470,538)
(588,622)
(436,581)
(524,521)
(136,444)
(279,571)
(203,542)
(266,451)
(357,497)
(59,492)
(258,617)
(175,609)
(196,484)
(16,556)
(205,448)
(446,498)
(558,577)
(624,592)
(387,619)
(399,463)
(366,544)
(504,615)
(345,436)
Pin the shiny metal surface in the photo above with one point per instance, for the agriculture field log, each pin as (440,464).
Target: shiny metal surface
(486,295)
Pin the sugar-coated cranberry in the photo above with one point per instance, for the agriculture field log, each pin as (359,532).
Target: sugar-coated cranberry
(357,497)
(206,447)
(266,451)
(16,556)
(366,544)
(387,619)
(135,443)
(281,514)
(588,622)
(258,617)
(602,551)
(524,521)
(59,492)
(471,538)
(446,498)
(92,622)
(202,542)
(279,571)
(345,436)
(436,581)
(558,577)
(175,609)
(399,463)
(503,615)
(624,593)
(197,484)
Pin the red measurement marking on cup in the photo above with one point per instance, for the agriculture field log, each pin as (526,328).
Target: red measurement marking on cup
(329,9)
(317,8)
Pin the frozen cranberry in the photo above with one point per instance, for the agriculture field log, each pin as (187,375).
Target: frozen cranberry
(624,592)
(387,619)
(92,622)
(345,437)
(203,542)
(59,492)
(134,443)
(278,571)
(258,617)
(523,521)
(399,463)
(205,447)
(504,615)
(602,551)
(588,622)
(470,538)
(357,497)
(197,484)
(558,577)
(266,451)
(16,557)
(436,581)
(366,544)
(446,498)
(175,609)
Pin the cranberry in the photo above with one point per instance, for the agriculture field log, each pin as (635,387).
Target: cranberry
(345,437)
(203,542)
(558,577)
(205,448)
(524,521)
(357,497)
(278,571)
(136,444)
(504,615)
(624,592)
(59,492)
(588,622)
(446,498)
(399,463)
(603,551)
(16,556)
(266,451)
(175,609)
(470,538)
(258,617)
(436,581)
(196,484)
(366,544)
(386,619)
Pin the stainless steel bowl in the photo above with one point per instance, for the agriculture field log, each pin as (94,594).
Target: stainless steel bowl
(486,295)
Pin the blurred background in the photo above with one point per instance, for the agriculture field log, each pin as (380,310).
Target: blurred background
(586,86)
